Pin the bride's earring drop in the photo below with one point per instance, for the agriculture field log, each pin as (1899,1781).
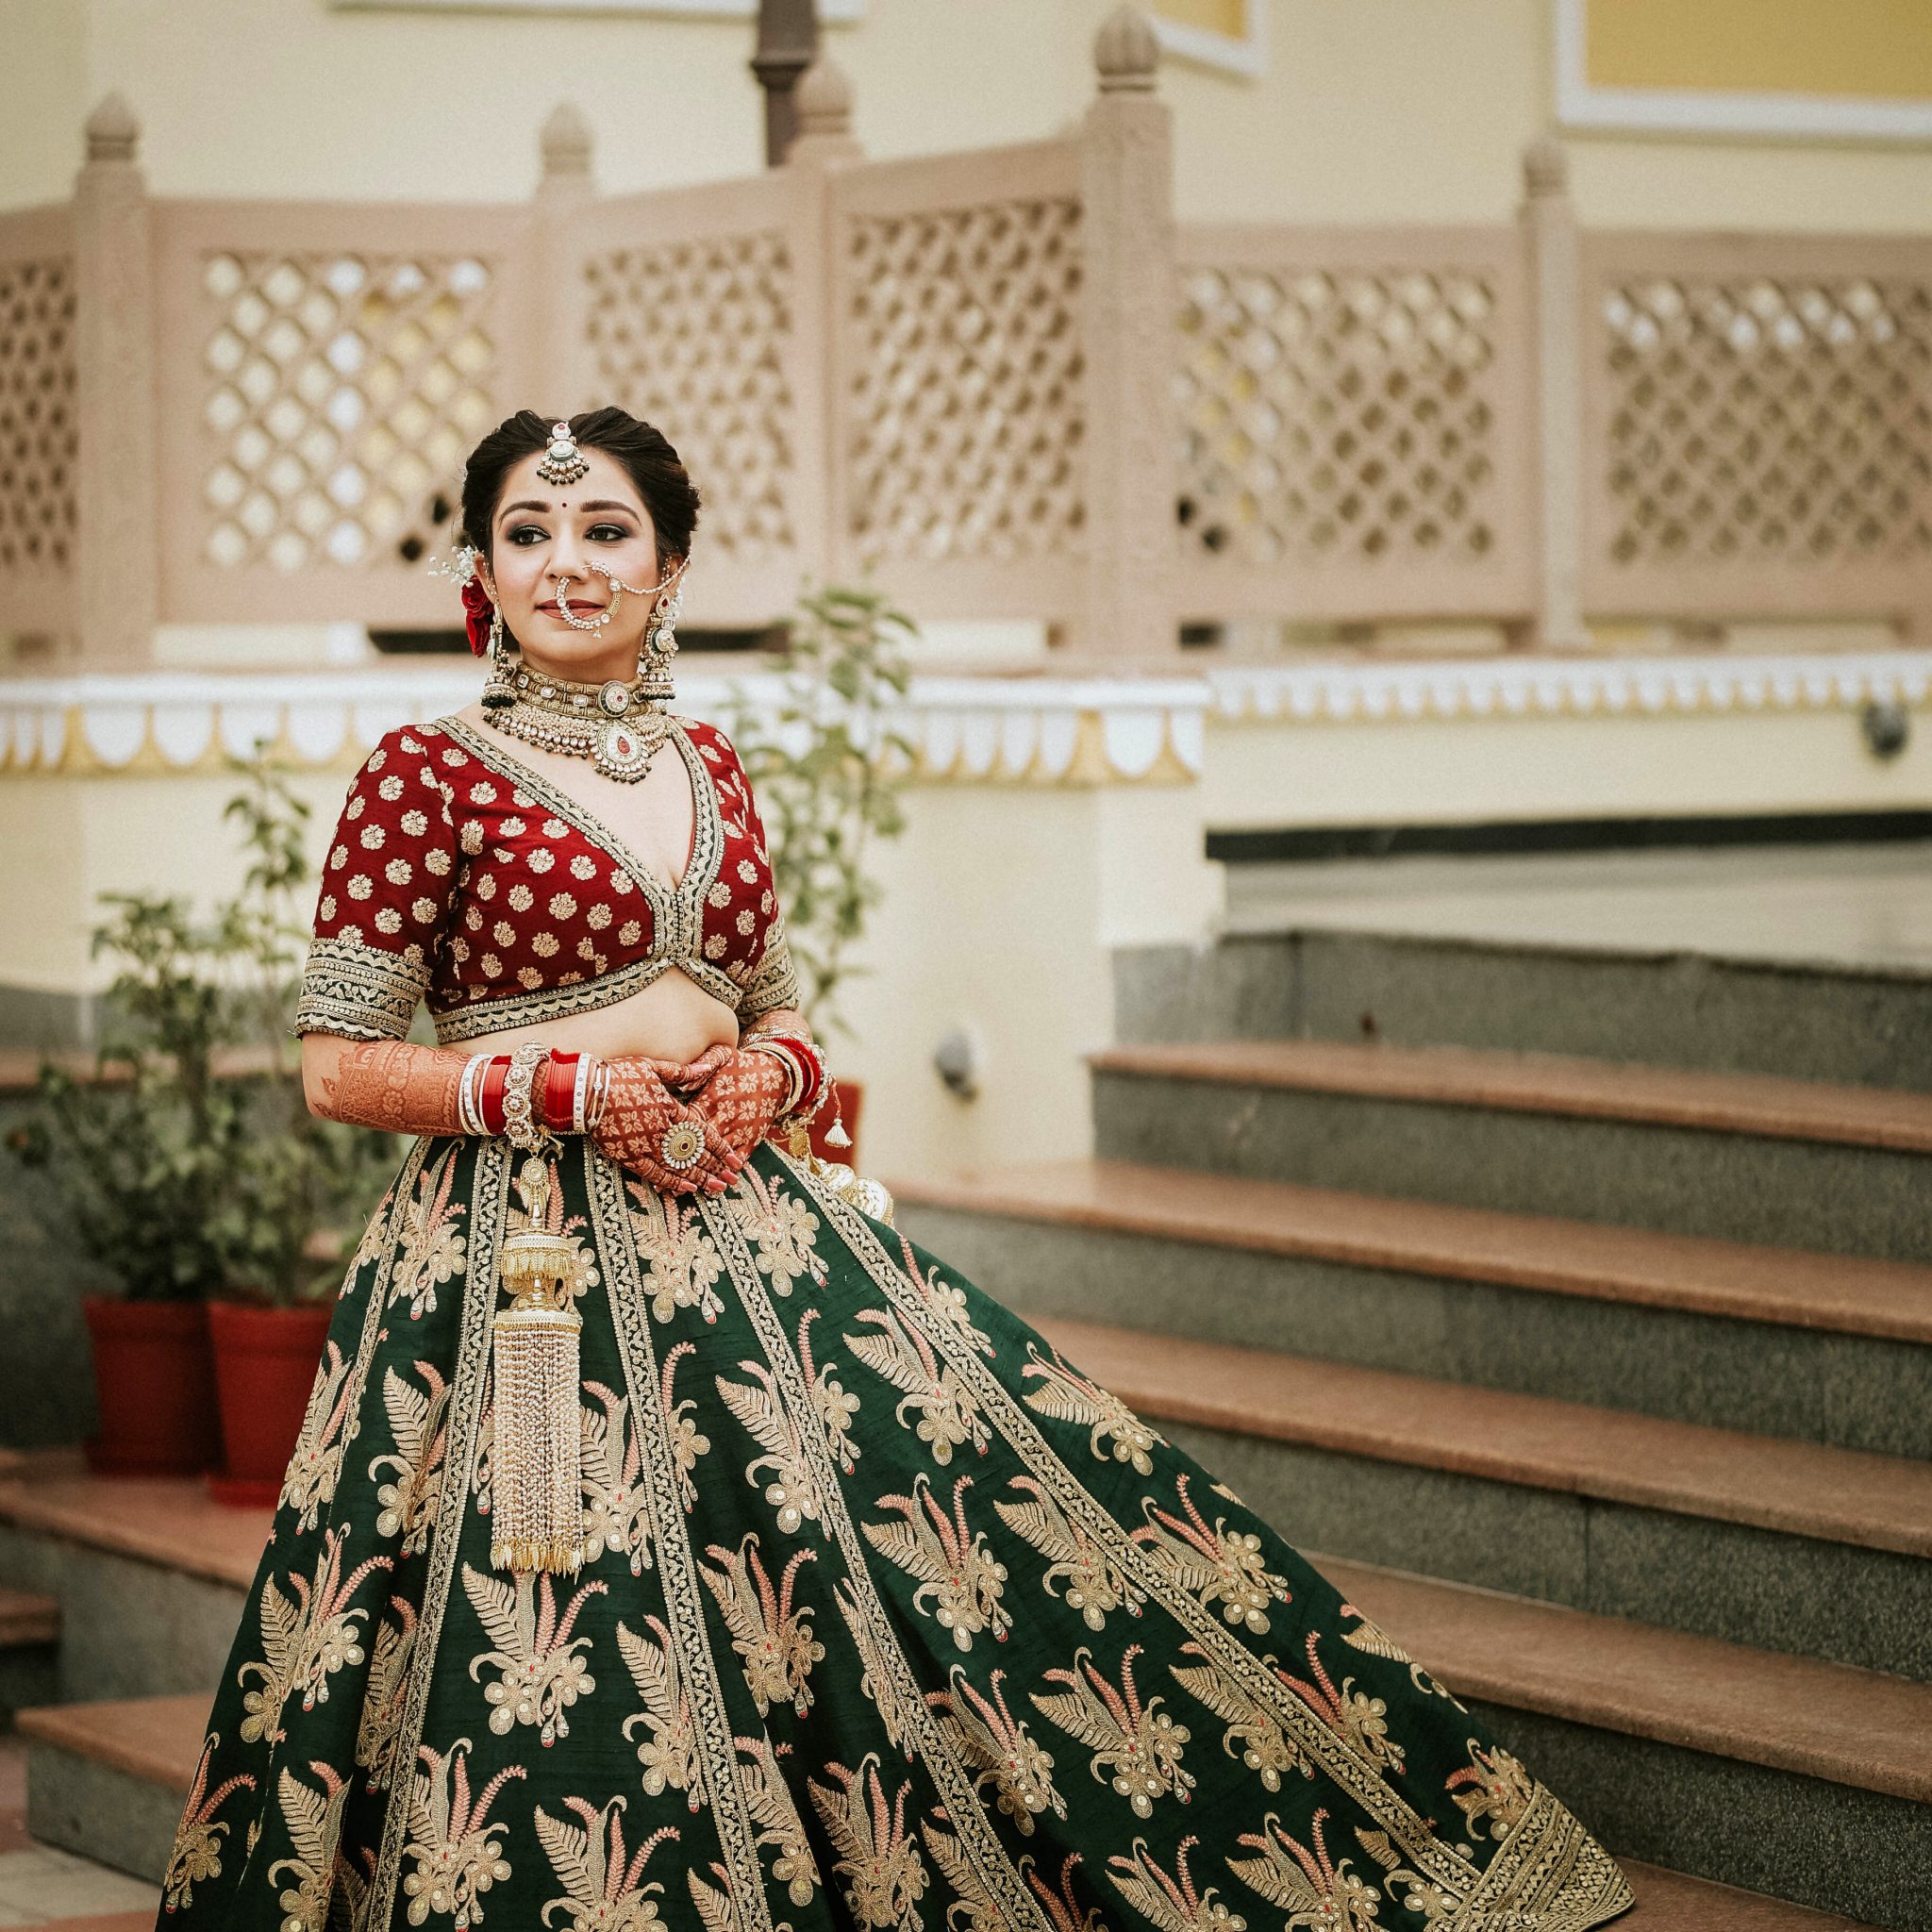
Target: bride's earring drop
(498,690)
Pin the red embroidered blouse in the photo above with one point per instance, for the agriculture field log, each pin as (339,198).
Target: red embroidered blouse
(462,877)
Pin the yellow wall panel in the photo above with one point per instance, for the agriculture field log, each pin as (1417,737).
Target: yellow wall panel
(1228,16)
(1870,49)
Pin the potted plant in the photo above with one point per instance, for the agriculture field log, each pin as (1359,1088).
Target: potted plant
(827,767)
(189,1165)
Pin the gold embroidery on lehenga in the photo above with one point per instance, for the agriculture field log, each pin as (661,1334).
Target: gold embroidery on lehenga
(1302,1880)
(1360,1720)
(994,1743)
(712,1755)
(1067,1396)
(948,1415)
(604,1886)
(774,1642)
(410,1498)
(488,1198)
(196,1854)
(1137,1747)
(767,1798)
(314,1821)
(540,1673)
(888,1678)
(973,1908)
(1215,1566)
(686,1443)
(1095,1584)
(883,1874)
(875,1678)
(793,1491)
(781,1228)
(308,1484)
(950,1560)
(1170,1903)
(615,1508)
(1493,1790)
(835,1403)
(1253,1734)
(669,1755)
(304,1641)
(1059,1901)
(457,1848)
(383,1694)
(433,1245)
(682,1259)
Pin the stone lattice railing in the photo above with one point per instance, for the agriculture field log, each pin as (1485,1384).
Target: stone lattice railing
(1004,383)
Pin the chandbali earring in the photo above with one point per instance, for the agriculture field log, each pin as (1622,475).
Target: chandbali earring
(498,690)
(659,643)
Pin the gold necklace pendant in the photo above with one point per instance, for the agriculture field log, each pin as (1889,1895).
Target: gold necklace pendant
(624,751)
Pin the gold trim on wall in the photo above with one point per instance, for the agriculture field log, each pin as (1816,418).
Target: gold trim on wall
(1787,69)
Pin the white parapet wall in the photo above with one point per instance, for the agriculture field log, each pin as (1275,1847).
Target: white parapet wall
(1051,819)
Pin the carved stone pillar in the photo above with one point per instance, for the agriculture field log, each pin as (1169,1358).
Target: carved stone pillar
(549,370)
(1549,224)
(788,39)
(823,144)
(1127,323)
(118,551)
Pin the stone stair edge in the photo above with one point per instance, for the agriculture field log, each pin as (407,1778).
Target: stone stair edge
(1616,1455)
(1246,931)
(28,1617)
(169,1522)
(1833,1722)
(1566,1085)
(156,1740)
(1643,1267)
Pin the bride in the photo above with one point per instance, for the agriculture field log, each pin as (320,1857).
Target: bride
(670,1543)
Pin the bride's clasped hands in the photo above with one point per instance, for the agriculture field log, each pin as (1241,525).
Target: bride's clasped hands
(726,1101)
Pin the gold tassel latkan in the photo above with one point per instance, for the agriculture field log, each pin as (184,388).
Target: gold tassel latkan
(537,1494)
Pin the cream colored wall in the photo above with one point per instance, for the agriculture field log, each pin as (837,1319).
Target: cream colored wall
(1430,771)
(1380,110)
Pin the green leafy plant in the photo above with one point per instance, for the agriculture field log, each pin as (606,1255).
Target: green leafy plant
(827,768)
(189,1163)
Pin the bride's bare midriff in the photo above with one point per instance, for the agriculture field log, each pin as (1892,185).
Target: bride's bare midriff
(672,1019)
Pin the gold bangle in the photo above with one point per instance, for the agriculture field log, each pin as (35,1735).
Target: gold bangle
(521,1128)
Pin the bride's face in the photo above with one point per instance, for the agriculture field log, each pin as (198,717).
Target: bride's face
(552,545)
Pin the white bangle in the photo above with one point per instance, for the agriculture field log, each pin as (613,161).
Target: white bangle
(580,1091)
(468,1107)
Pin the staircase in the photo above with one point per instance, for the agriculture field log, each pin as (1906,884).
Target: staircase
(1586,1348)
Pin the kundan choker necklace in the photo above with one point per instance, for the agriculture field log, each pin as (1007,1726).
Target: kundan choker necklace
(615,726)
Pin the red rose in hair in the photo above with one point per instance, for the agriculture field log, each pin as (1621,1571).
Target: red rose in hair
(477,614)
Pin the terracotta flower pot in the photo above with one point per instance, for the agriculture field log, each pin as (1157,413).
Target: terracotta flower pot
(851,1094)
(155,1382)
(265,1362)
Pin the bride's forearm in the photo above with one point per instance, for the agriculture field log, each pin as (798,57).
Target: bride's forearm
(390,1084)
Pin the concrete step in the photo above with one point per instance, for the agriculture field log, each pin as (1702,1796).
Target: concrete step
(1703,1756)
(1862,1026)
(29,1649)
(1770,1339)
(107,1780)
(1731,1156)
(1788,1546)
(149,1575)
(82,1739)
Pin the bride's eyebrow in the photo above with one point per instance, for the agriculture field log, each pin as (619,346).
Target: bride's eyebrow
(542,509)
(624,507)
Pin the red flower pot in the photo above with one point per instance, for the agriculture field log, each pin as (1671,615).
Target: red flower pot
(265,1361)
(157,1388)
(850,1097)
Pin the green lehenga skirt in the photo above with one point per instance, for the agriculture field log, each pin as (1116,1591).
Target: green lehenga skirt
(888,1618)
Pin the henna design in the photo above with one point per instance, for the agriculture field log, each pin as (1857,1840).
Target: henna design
(400,1088)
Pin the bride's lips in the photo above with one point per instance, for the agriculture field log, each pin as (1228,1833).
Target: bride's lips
(578,606)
